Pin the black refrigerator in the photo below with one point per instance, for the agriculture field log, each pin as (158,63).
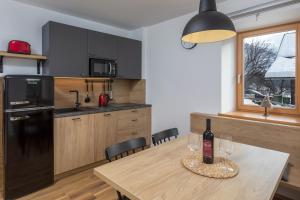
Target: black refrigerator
(28,134)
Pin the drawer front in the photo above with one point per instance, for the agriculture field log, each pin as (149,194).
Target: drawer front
(123,135)
(130,122)
(132,114)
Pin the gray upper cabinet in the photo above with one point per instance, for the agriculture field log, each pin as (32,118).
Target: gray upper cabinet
(66,49)
(129,58)
(102,45)
(69,48)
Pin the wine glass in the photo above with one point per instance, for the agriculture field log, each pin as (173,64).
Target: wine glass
(194,147)
(222,152)
(229,150)
(226,148)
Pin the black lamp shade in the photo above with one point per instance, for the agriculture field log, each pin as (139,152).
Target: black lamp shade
(209,25)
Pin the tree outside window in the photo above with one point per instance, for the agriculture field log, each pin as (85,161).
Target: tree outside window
(269,64)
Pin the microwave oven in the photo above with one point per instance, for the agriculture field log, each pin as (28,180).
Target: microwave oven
(102,68)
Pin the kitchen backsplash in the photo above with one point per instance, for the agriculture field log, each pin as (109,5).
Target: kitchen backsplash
(124,91)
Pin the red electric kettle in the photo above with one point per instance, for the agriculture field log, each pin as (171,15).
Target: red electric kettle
(103,99)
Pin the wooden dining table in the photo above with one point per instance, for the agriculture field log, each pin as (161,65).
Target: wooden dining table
(157,173)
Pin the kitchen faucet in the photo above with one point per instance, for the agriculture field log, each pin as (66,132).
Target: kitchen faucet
(77,103)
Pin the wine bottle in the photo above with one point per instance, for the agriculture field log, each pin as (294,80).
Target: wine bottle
(208,144)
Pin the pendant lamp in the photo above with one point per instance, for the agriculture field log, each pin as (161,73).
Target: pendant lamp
(209,25)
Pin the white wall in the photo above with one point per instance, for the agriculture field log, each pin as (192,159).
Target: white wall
(180,81)
(24,22)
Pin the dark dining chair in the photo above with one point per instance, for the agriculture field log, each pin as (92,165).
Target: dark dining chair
(159,138)
(122,149)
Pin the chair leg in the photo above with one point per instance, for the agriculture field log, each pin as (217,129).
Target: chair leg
(120,197)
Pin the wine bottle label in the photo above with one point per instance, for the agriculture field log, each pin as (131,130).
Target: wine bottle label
(207,148)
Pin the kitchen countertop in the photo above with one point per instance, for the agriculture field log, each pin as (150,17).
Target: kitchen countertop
(91,110)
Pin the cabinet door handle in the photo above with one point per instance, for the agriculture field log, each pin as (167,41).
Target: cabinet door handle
(134,133)
(107,115)
(19,118)
(134,120)
(134,111)
(15,103)
(75,119)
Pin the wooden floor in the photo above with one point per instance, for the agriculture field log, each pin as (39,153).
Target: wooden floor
(81,186)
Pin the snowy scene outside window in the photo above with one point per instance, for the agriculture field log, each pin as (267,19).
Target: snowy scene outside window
(269,64)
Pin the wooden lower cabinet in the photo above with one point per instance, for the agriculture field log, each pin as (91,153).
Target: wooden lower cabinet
(73,142)
(105,132)
(133,124)
(81,140)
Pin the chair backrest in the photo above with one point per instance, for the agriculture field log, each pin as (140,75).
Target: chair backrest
(158,138)
(116,150)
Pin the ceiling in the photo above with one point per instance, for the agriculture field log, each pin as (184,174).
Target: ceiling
(127,14)
(133,14)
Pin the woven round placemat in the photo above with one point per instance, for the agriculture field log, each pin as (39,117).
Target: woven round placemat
(217,170)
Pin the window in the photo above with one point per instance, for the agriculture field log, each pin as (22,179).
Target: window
(268,65)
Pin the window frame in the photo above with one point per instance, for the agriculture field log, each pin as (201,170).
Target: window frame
(240,68)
